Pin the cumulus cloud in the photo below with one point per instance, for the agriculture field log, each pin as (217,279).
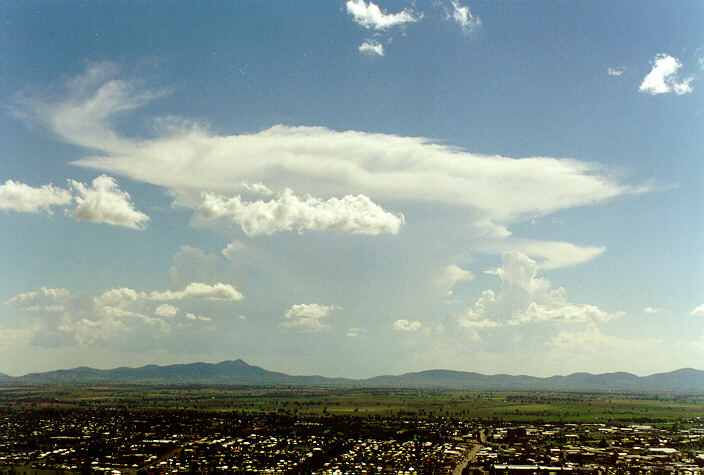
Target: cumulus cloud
(104,202)
(87,332)
(461,15)
(493,191)
(525,298)
(592,340)
(652,310)
(370,16)
(406,325)
(119,297)
(698,311)
(198,290)
(614,71)
(83,319)
(43,294)
(372,47)
(232,249)
(17,337)
(166,310)
(663,77)
(347,215)
(16,196)
(306,317)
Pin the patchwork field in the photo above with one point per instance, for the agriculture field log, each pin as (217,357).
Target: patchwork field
(506,406)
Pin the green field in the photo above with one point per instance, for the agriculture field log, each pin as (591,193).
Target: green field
(506,406)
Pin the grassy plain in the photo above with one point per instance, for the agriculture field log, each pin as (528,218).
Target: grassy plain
(505,406)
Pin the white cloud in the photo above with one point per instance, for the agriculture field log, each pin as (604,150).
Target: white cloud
(16,196)
(199,318)
(198,290)
(591,340)
(166,310)
(232,249)
(119,297)
(186,159)
(698,311)
(525,298)
(87,332)
(463,17)
(614,71)
(652,310)
(104,202)
(347,215)
(370,16)
(43,294)
(549,254)
(372,47)
(406,326)
(257,188)
(663,77)
(353,332)
(16,337)
(453,274)
(306,317)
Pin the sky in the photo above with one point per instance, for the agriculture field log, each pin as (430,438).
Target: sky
(353,188)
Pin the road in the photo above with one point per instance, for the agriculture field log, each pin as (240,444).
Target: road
(469,456)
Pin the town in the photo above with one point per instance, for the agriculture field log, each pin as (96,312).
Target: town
(121,440)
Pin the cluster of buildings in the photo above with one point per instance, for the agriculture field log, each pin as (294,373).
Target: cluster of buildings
(162,441)
(594,448)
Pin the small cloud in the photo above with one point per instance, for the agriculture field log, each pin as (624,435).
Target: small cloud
(104,202)
(461,15)
(166,310)
(199,318)
(232,249)
(241,317)
(663,77)
(353,332)
(16,196)
(306,317)
(652,310)
(698,311)
(347,215)
(406,325)
(370,16)
(257,188)
(199,290)
(614,71)
(372,47)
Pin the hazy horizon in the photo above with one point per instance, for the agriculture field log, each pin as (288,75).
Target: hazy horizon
(353,188)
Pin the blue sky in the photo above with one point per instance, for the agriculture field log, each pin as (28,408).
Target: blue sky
(352,188)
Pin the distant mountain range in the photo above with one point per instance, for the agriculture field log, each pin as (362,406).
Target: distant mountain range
(240,373)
